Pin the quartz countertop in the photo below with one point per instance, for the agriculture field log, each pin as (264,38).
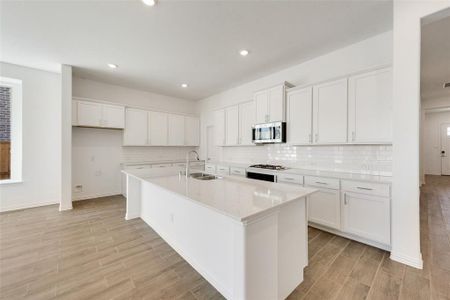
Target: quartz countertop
(155,162)
(238,198)
(320,173)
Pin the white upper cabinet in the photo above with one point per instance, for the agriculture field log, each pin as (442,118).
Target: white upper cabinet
(271,104)
(95,114)
(247,117)
(136,126)
(299,116)
(113,116)
(192,131)
(370,107)
(277,103)
(89,113)
(330,112)
(232,125)
(262,106)
(157,128)
(176,130)
(219,127)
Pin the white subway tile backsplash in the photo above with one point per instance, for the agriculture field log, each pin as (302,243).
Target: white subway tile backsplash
(140,154)
(371,159)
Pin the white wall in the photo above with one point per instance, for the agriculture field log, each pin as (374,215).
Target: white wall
(41,127)
(367,54)
(406,113)
(97,154)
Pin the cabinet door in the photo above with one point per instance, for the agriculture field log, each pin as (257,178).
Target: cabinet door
(370,107)
(89,113)
(262,107)
(232,125)
(277,104)
(324,208)
(219,127)
(135,133)
(330,112)
(176,130)
(367,216)
(247,117)
(192,131)
(299,116)
(113,116)
(157,128)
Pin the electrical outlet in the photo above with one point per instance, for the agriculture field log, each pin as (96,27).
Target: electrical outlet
(78,188)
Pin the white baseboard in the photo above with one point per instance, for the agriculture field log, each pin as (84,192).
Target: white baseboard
(26,205)
(92,196)
(415,262)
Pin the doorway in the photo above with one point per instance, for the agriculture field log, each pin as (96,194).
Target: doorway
(445,149)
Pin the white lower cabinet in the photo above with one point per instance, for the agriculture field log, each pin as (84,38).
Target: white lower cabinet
(210,168)
(324,208)
(366,216)
(222,170)
(237,171)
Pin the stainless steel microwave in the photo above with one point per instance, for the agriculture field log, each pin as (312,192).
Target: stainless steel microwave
(269,133)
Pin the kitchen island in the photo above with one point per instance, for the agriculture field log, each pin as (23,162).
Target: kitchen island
(248,238)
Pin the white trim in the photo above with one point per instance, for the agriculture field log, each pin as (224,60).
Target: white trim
(10,181)
(16,127)
(28,205)
(93,196)
(415,262)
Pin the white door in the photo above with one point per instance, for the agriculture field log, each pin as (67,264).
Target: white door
(276,104)
(324,208)
(192,131)
(89,113)
(445,149)
(219,127)
(135,133)
(330,112)
(370,107)
(157,128)
(366,216)
(210,144)
(262,107)
(232,125)
(113,116)
(247,117)
(176,130)
(299,116)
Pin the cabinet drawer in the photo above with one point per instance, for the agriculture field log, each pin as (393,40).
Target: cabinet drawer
(330,183)
(290,178)
(161,165)
(209,168)
(237,171)
(137,167)
(223,170)
(368,188)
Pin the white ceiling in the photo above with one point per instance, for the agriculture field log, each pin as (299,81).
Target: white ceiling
(435,58)
(197,42)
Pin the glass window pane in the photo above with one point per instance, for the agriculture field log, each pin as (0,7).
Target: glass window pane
(5,132)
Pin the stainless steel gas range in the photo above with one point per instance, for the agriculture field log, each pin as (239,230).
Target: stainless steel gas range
(264,172)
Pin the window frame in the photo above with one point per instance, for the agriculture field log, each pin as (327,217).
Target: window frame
(16,129)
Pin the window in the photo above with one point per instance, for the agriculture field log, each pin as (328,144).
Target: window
(10,130)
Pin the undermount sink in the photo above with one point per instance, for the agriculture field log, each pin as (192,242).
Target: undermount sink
(203,176)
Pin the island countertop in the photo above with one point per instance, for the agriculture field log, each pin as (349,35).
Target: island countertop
(238,198)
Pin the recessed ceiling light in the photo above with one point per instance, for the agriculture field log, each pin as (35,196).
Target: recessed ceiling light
(184,85)
(243,52)
(113,66)
(149,2)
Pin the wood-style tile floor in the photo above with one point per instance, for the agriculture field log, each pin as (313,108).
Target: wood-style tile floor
(91,252)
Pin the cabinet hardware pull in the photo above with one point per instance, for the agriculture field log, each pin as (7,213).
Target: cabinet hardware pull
(318,182)
(364,188)
(345,199)
(289,178)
